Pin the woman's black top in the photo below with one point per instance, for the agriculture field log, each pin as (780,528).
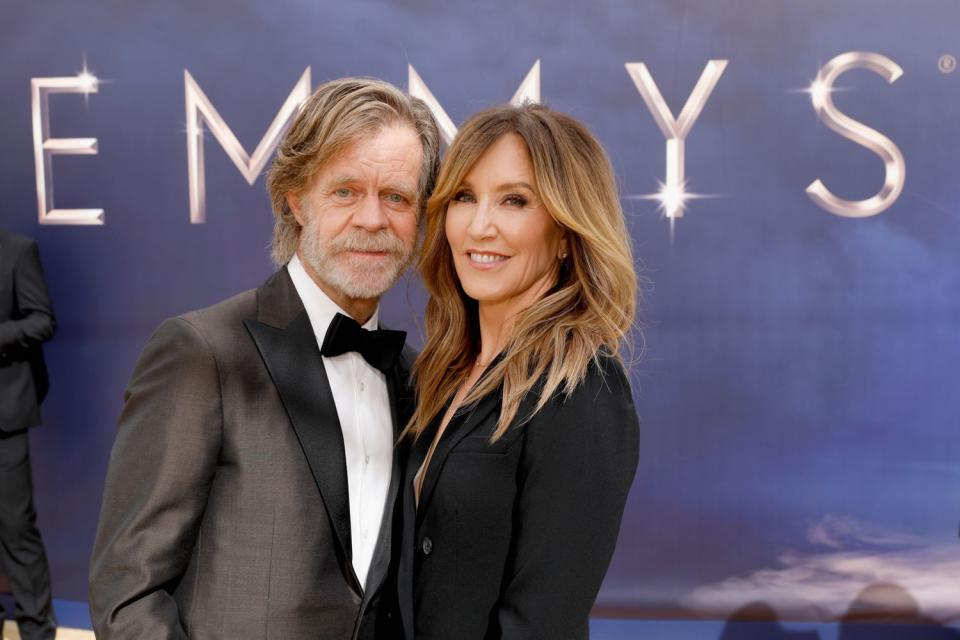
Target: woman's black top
(511,540)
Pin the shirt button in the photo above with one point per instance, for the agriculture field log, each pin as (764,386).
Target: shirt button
(427,546)
(366,460)
(361,386)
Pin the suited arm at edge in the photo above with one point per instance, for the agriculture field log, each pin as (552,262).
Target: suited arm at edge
(161,468)
(37,323)
(579,461)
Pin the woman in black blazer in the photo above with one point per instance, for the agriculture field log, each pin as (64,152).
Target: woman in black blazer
(524,443)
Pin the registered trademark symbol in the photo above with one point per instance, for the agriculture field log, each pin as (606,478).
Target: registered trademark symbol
(947,64)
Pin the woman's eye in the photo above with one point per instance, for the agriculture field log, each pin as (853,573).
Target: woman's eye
(515,201)
(463,196)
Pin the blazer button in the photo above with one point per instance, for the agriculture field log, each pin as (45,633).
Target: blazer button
(426,546)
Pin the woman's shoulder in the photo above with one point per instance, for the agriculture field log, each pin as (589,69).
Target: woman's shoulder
(605,375)
(597,415)
(605,387)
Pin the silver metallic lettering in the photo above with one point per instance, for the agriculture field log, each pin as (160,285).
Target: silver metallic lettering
(45,147)
(895,169)
(673,194)
(200,110)
(528,91)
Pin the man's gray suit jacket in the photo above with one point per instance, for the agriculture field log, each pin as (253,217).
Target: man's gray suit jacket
(226,510)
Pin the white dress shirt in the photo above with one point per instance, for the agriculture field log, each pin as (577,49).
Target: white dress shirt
(363,406)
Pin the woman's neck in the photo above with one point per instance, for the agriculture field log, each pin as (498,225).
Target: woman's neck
(494,329)
(497,320)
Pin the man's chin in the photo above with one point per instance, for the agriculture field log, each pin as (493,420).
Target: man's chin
(365,286)
(360,278)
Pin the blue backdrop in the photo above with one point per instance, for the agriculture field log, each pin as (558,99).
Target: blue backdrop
(797,393)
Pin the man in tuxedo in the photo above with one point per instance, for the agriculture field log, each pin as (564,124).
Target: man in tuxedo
(252,484)
(26,320)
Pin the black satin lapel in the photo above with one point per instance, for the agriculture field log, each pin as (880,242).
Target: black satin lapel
(396,395)
(296,367)
(459,428)
(416,450)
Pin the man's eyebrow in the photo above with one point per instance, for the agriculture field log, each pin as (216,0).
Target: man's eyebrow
(342,178)
(403,187)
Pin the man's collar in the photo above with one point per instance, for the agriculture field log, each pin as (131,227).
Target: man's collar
(320,308)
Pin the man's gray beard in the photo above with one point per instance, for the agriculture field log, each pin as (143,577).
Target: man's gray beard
(353,276)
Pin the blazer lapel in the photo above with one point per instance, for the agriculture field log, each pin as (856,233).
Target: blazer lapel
(288,346)
(407,534)
(463,422)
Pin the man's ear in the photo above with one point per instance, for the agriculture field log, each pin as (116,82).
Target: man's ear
(293,201)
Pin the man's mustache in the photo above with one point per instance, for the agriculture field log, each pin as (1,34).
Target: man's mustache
(358,240)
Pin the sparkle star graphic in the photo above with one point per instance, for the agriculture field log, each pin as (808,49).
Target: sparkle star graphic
(89,82)
(819,91)
(672,200)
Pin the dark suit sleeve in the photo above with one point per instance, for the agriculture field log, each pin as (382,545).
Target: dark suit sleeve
(36,322)
(578,463)
(161,468)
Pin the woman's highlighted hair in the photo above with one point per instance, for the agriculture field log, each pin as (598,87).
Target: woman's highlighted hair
(590,309)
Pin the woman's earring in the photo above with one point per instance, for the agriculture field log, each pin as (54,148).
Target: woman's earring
(562,256)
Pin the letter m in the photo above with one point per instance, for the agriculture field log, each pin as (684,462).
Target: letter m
(529,90)
(201,111)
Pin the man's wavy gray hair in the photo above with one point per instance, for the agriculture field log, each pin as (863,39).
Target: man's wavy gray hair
(338,114)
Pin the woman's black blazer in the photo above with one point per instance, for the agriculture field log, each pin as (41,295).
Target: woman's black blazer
(511,540)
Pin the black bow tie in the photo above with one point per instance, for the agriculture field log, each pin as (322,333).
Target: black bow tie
(380,348)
